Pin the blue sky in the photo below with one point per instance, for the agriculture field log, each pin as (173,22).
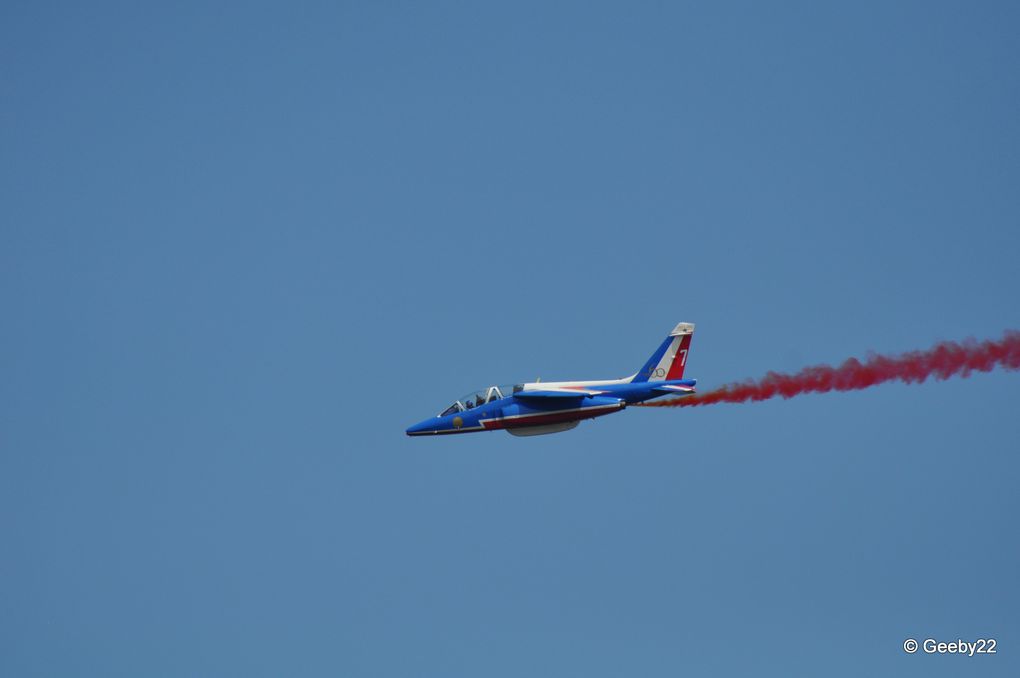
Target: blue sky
(244,246)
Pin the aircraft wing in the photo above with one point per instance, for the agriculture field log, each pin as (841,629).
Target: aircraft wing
(556,393)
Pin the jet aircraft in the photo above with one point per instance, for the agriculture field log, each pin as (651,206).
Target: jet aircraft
(537,408)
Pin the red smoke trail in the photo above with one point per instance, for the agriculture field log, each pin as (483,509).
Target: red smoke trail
(944,360)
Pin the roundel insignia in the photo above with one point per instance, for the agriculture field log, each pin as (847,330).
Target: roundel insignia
(457,422)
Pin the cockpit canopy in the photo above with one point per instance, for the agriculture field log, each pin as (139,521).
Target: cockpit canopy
(481,397)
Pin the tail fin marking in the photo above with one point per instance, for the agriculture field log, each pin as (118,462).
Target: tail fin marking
(670,358)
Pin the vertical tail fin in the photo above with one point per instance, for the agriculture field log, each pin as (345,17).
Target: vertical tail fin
(670,358)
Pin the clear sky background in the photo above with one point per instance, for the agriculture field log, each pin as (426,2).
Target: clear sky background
(242,247)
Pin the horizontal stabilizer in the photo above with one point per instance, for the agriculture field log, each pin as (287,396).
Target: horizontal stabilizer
(672,388)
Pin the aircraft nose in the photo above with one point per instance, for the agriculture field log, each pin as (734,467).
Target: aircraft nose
(420,428)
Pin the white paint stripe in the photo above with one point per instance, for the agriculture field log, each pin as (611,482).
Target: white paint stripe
(553,412)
